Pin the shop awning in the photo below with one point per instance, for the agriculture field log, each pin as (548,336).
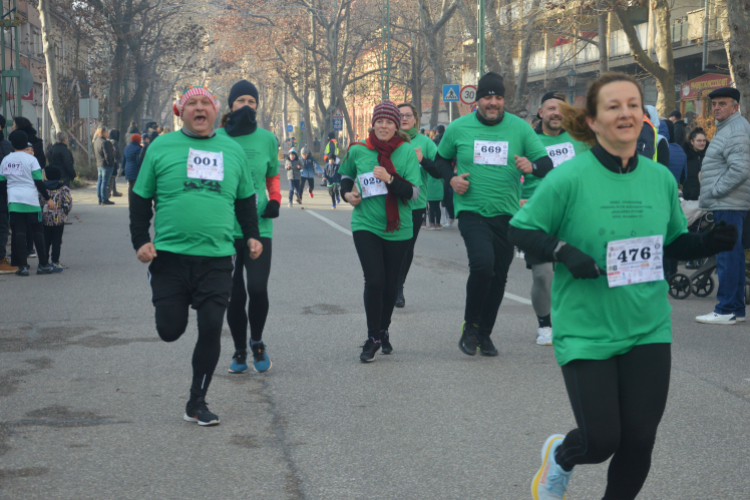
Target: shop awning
(692,89)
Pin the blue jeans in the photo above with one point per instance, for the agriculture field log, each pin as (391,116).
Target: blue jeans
(102,182)
(731,269)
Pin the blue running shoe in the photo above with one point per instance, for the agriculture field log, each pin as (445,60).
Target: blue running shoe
(239,362)
(551,482)
(261,361)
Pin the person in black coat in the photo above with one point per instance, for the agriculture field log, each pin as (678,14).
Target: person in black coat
(5,149)
(695,149)
(679,127)
(146,142)
(133,129)
(114,138)
(59,155)
(23,123)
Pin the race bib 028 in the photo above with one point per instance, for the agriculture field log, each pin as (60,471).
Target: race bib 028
(491,153)
(560,153)
(371,186)
(635,260)
(205,165)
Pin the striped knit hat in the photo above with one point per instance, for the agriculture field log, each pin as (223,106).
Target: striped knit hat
(388,110)
(192,92)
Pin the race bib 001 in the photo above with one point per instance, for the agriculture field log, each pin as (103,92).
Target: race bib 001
(491,153)
(559,153)
(371,186)
(13,168)
(205,165)
(635,260)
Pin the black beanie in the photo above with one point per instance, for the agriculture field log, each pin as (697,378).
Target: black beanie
(331,135)
(19,139)
(243,87)
(490,84)
(53,173)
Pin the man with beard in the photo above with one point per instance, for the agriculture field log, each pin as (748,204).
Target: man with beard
(492,148)
(560,148)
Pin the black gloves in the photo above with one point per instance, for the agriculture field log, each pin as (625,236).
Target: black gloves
(272,210)
(721,238)
(580,265)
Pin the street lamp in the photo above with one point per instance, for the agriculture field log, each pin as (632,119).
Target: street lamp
(572,77)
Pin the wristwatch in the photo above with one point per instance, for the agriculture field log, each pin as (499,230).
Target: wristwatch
(389,181)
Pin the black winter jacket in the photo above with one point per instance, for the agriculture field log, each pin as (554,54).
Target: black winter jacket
(691,188)
(104,153)
(60,156)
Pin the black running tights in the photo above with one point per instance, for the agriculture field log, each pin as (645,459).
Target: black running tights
(381,262)
(618,404)
(417,216)
(258,271)
(23,224)
(171,322)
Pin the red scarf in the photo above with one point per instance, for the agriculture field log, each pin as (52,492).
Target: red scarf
(385,149)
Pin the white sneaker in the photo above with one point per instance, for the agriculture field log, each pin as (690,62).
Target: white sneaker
(544,336)
(717,319)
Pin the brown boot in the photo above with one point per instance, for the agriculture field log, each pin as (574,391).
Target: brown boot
(6,268)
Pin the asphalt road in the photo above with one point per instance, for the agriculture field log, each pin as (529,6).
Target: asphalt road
(91,402)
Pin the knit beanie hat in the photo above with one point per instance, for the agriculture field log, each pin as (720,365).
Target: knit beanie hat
(490,84)
(243,87)
(53,173)
(331,135)
(389,110)
(135,138)
(192,92)
(19,140)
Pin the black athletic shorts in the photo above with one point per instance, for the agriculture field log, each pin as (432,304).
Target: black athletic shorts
(187,279)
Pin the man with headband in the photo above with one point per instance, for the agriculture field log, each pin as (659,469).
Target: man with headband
(492,148)
(560,148)
(201,184)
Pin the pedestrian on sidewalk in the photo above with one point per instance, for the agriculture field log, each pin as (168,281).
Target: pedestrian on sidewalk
(105,164)
(191,258)
(249,303)
(309,165)
(114,138)
(20,181)
(6,148)
(130,161)
(54,219)
(294,174)
(59,155)
(725,191)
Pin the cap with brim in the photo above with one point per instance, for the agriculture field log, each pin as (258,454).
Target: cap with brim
(725,92)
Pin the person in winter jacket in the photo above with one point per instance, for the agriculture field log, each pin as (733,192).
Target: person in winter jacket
(105,164)
(677,157)
(6,148)
(332,179)
(130,161)
(54,219)
(725,190)
(147,140)
(114,138)
(679,127)
(22,123)
(309,165)
(294,174)
(59,155)
(696,145)
(133,128)
(332,147)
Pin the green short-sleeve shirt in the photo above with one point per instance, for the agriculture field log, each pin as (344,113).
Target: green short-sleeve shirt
(560,148)
(429,150)
(370,214)
(194,216)
(586,205)
(262,155)
(493,189)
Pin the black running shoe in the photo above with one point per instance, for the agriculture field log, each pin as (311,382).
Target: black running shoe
(400,300)
(469,339)
(369,350)
(197,411)
(486,347)
(386,347)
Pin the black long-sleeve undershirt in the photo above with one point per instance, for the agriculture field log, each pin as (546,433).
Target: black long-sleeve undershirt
(141,213)
(430,167)
(540,245)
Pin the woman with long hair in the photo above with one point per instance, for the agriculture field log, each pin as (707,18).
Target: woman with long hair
(104,153)
(609,216)
(385,171)
(695,149)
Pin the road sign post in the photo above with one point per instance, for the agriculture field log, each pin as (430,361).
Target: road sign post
(88,109)
(338,120)
(468,94)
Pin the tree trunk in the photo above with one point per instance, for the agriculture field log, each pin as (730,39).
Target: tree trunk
(736,26)
(49,57)
(523,63)
(284,118)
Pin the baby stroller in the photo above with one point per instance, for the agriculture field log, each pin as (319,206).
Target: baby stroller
(701,282)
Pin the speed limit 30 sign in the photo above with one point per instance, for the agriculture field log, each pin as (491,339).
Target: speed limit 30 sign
(468,94)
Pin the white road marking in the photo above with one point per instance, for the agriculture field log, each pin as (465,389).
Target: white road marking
(328,221)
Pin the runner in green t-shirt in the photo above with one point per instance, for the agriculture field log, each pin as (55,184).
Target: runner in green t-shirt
(560,148)
(492,148)
(426,151)
(611,209)
(259,146)
(385,171)
(200,185)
